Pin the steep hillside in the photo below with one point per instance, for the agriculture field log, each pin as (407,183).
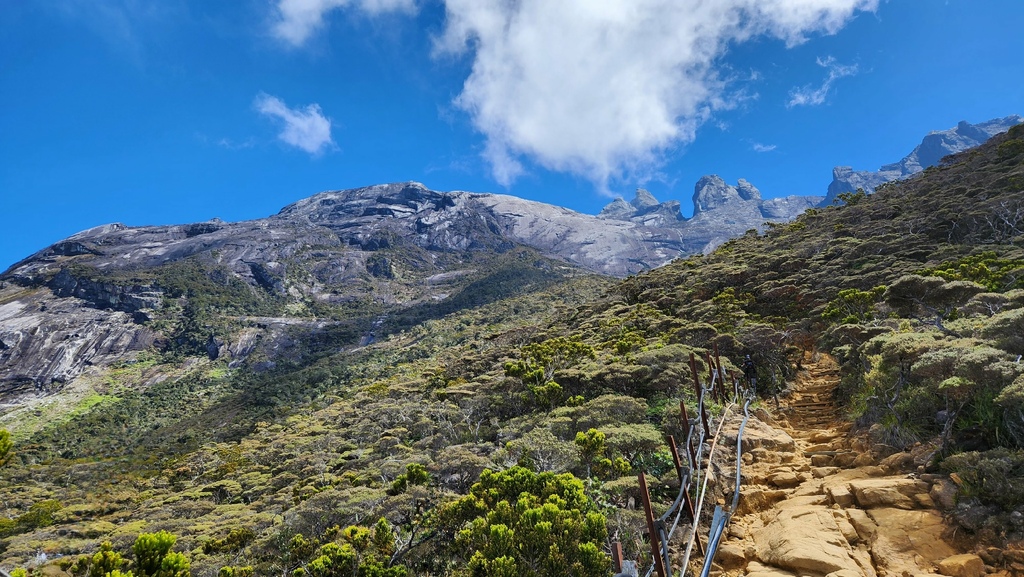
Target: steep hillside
(342,440)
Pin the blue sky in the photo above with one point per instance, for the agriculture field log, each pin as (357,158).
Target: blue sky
(172,111)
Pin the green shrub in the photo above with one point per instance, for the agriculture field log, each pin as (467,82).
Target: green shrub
(993,477)
(517,522)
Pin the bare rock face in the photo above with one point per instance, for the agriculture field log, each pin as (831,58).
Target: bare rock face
(723,211)
(712,192)
(90,298)
(48,341)
(930,152)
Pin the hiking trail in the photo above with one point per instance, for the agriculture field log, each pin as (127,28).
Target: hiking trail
(817,502)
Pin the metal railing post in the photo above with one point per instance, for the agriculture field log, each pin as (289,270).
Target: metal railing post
(652,529)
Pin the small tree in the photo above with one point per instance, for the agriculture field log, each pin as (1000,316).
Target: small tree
(538,362)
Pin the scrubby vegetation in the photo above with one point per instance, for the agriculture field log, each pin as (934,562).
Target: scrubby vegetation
(499,432)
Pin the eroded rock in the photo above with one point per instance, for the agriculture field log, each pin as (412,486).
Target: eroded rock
(808,539)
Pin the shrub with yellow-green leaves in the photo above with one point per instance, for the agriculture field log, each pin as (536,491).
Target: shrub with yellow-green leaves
(520,523)
(355,552)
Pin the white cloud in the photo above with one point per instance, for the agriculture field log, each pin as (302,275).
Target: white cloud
(306,128)
(297,20)
(602,88)
(809,96)
(758,147)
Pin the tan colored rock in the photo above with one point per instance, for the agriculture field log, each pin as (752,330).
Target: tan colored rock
(758,435)
(766,417)
(943,493)
(840,495)
(755,500)
(992,556)
(965,565)
(821,437)
(803,501)
(731,556)
(807,539)
(887,492)
(898,462)
(821,460)
(863,460)
(844,460)
(845,527)
(784,479)
(1014,555)
(762,455)
(907,541)
(924,501)
(822,472)
(755,569)
(863,524)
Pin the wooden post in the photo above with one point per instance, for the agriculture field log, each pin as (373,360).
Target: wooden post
(721,373)
(704,420)
(693,371)
(617,556)
(675,457)
(652,529)
(686,417)
(713,378)
(700,395)
(686,427)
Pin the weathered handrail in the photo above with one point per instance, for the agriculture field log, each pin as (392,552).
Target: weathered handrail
(690,476)
(722,517)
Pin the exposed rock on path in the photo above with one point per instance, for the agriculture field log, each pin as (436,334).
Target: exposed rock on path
(821,505)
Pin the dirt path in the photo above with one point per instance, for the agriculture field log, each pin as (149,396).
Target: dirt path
(818,503)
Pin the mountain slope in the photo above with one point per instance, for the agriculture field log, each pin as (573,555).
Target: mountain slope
(333,421)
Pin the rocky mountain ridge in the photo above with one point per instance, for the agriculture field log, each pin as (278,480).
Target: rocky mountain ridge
(399,245)
(722,211)
(935,146)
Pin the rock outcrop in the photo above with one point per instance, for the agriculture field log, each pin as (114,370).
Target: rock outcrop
(720,212)
(933,148)
(89,298)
